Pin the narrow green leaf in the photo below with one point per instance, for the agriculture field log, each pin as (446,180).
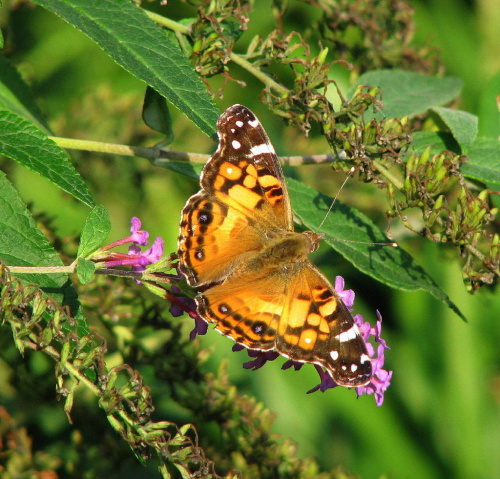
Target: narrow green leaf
(462,125)
(21,243)
(135,42)
(408,93)
(23,142)
(391,266)
(16,97)
(156,114)
(85,270)
(95,231)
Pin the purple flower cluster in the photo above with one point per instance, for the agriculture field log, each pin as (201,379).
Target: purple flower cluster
(135,257)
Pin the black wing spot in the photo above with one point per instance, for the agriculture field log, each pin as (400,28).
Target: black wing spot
(205,218)
(224,308)
(259,328)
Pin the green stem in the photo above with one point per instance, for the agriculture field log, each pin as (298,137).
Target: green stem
(43,269)
(158,156)
(166,22)
(257,73)
(161,158)
(75,372)
(385,172)
(114,148)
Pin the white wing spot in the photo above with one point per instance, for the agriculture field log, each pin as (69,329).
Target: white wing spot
(262,149)
(334,354)
(229,171)
(351,333)
(239,123)
(354,367)
(236,144)
(307,340)
(364,358)
(254,123)
(233,130)
(344,367)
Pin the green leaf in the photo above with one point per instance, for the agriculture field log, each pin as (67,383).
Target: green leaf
(16,97)
(156,114)
(191,170)
(95,231)
(408,93)
(489,114)
(438,141)
(85,270)
(483,161)
(462,125)
(135,42)
(23,142)
(391,266)
(21,243)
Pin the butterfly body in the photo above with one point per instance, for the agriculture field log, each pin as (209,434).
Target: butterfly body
(237,244)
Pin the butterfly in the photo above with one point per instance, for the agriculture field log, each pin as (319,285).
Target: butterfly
(238,247)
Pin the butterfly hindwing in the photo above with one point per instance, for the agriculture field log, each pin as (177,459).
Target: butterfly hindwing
(320,329)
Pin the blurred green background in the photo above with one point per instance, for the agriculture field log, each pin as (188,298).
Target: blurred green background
(441,416)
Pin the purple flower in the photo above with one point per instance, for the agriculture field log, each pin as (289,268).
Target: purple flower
(138,236)
(200,327)
(261,357)
(347,295)
(181,305)
(381,379)
(149,256)
(288,364)
(326,381)
(135,257)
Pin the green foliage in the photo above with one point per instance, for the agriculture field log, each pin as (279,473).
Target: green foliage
(115,349)
(22,141)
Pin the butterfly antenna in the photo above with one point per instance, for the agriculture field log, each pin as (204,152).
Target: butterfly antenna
(350,175)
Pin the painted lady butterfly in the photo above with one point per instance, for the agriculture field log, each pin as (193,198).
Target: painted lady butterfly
(237,245)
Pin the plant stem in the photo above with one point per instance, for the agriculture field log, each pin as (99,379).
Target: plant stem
(385,172)
(166,22)
(257,73)
(43,269)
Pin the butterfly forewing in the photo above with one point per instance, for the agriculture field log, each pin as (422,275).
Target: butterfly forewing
(245,172)
(207,250)
(237,239)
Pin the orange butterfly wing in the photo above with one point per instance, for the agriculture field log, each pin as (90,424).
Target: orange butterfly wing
(243,200)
